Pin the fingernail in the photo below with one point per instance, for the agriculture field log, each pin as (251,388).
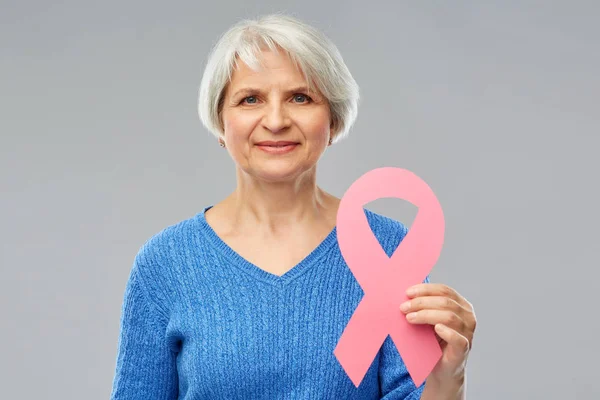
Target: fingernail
(411,316)
(405,306)
(411,291)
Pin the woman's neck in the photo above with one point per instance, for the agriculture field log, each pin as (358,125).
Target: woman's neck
(279,207)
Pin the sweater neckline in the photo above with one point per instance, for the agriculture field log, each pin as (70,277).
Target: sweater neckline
(255,271)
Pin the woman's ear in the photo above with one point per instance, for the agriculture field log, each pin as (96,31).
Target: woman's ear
(332,131)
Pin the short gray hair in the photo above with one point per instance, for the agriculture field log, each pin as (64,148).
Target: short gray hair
(315,54)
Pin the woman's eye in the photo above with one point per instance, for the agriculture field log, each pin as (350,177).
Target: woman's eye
(249,99)
(300,97)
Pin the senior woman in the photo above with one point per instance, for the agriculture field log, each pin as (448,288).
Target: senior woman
(248,298)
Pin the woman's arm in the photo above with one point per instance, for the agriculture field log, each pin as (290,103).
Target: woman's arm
(454,390)
(146,366)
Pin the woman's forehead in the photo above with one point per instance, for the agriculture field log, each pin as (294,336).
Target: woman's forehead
(276,69)
(267,62)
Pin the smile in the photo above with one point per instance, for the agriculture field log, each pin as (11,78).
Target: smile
(280,147)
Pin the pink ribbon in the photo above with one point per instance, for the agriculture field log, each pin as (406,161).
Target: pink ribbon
(384,279)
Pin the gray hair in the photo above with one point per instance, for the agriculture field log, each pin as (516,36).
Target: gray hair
(318,58)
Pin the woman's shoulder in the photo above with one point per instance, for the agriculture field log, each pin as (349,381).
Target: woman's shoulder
(164,249)
(172,237)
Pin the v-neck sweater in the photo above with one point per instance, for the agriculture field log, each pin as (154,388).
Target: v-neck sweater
(198,321)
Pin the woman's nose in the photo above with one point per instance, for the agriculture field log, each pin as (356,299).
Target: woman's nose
(276,117)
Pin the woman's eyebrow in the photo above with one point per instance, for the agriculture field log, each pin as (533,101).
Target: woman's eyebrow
(302,88)
(246,90)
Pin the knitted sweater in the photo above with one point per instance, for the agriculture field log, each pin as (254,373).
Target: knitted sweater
(198,321)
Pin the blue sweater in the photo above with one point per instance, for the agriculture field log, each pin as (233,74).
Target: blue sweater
(198,321)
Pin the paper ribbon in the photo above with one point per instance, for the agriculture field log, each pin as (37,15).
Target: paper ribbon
(384,279)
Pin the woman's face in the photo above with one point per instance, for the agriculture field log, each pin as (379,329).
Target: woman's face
(269,106)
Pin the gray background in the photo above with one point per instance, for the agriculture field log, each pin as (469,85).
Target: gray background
(495,105)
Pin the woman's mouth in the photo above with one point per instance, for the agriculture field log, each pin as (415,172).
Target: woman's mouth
(279,147)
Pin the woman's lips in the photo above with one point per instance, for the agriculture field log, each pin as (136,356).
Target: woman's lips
(279,148)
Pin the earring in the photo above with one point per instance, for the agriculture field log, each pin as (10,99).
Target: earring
(221,143)
(330,141)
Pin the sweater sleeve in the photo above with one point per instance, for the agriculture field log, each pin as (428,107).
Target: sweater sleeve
(145,365)
(394,379)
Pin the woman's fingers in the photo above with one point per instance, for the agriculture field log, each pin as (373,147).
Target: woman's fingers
(433,317)
(458,342)
(458,311)
(431,302)
(437,289)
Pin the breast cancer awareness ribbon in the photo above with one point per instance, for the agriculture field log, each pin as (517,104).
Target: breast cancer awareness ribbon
(384,279)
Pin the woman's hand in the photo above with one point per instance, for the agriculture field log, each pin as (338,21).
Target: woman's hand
(454,321)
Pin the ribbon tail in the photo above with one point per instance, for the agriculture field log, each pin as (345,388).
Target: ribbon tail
(360,342)
(418,347)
